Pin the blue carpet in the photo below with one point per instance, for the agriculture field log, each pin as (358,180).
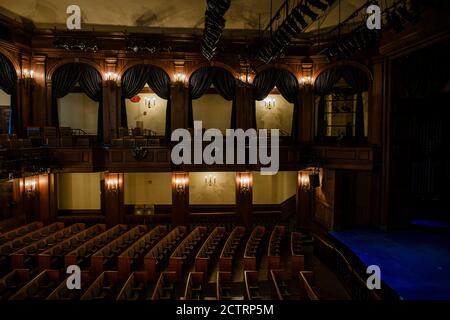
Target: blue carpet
(414,263)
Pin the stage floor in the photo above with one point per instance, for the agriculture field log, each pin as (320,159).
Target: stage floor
(414,263)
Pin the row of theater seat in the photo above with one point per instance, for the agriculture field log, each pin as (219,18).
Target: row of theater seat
(80,244)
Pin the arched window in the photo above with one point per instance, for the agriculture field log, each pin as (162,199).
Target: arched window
(212,98)
(276,101)
(77,98)
(145,106)
(8,101)
(341,104)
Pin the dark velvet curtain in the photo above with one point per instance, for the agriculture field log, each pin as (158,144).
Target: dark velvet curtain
(159,81)
(324,84)
(64,80)
(357,79)
(134,80)
(8,83)
(91,83)
(223,81)
(424,73)
(286,83)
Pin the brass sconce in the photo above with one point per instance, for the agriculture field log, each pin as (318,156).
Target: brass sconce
(244,182)
(180,185)
(111,76)
(112,184)
(269,103)
(30,188)
(179,77)
(150,102)
(210,180)
(307,73)
(309,179)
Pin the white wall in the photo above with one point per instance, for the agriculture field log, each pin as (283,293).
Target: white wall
(274,189)
(148,188)
(213,110)
(78,111)
(154,118)
(223,192)
(5,99)
(279,117)
(79,191)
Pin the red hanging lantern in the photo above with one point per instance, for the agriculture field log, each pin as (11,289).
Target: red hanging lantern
(135,99)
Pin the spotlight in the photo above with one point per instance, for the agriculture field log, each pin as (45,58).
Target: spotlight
(318,4)
(291,23)
(407,15)
(343,51)
(347,44)
(359,41)
(283,34)
(214,16)
(292,32)
(214,24)
(306,10)
(219,6)
(394,21)
(351,44)
(299,18)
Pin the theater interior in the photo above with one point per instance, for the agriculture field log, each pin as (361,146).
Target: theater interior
(87,176)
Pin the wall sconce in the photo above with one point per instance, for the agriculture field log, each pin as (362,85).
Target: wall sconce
(307,71)
(27,74)
(306,81)
(309,179)
(111,76)
(210,180)
(112,184)
(246,78)
(179,77)
(30,188)
(244,183)
(180,185)
(150,102)
(269,103)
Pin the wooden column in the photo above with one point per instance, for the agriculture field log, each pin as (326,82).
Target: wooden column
(111,111)
(25,88)
(47,198)
(38,92)
(179,106)
(48,106)
(180,198)
(244,107)
(113,198)
(244,198)
(306,114)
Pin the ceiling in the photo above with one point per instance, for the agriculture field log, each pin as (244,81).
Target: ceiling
(150,15)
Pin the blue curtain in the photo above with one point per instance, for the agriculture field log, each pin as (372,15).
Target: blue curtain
(8,83)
